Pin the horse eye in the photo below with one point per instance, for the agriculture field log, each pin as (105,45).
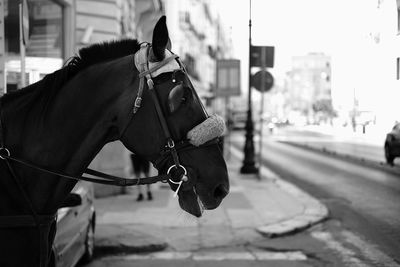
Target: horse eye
(176,98)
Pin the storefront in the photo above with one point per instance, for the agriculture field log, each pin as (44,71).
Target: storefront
(49,39)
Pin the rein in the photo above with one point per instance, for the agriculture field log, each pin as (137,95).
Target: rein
(107,179)
(171,149)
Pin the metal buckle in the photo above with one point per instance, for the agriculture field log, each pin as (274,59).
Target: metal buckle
(170,143)
(150,83)
(7,152)
(138,102)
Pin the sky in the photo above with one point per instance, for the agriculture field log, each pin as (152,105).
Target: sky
(338,28)
(296,27)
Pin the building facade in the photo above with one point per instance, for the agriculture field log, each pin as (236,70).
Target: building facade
(369,79)
(310,87)
(387,74)
(199,37)
(48,40)
(59,28)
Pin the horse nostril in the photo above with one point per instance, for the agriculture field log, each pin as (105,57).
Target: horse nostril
(220,191)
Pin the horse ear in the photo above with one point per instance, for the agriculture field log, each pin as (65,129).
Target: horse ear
(160,39)
(169,45)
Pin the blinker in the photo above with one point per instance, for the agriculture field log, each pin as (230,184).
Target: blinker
(175,97)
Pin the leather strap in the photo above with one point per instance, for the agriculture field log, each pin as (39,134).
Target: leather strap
(107,178)
(141,64)
(16,221)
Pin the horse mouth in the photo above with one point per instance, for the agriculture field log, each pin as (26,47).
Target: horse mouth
(190,202)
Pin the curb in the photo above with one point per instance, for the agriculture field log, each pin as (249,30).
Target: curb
(314,211)
(117,239)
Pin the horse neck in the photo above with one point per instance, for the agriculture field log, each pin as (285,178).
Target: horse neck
(68,133)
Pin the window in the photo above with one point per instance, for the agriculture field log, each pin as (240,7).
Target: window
(50,39)
(45,28)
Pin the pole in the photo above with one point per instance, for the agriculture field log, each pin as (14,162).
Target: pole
(22,46)
(248,162)
(3,82)
(260,139)
(227,137)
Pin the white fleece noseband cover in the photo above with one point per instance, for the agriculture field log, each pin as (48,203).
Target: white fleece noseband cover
(212,127)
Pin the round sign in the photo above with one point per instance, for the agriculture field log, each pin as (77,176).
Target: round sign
(258,77)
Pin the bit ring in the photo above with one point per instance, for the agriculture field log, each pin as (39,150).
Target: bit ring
(184,174)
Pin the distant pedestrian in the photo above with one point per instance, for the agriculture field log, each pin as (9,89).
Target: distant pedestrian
(141,166)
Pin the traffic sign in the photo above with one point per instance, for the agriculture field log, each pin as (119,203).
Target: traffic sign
(262,56)
(262,81)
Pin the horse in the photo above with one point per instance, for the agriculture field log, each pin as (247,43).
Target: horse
(61,122)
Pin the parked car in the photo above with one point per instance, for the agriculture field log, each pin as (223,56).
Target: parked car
(76,221)
(392,144)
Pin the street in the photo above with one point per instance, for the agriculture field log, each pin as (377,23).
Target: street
(361,229)
(224,237)
(363,199)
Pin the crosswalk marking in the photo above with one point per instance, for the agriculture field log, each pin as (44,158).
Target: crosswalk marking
(216,256)
(349,256)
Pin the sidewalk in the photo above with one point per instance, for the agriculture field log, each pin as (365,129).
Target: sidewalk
(366,149)
(254,208)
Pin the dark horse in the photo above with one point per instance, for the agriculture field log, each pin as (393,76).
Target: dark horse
(63,121)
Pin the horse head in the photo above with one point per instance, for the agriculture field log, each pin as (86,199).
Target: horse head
(178,126)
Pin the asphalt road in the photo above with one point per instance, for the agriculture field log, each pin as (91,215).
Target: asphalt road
(365,200)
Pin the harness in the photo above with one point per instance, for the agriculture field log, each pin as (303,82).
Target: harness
(176,174)
(38,221)
(171,148)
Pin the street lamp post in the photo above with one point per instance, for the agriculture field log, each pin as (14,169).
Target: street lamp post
(249,155)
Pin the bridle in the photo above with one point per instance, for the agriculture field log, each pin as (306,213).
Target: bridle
(171,148)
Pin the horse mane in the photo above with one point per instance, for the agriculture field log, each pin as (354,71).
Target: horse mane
(98,53)
(44,90)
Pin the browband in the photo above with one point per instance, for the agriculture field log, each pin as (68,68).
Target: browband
(141,63)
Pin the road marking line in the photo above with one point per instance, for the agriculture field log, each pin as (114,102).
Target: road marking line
(369,250)
(348,256)
(217,256)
